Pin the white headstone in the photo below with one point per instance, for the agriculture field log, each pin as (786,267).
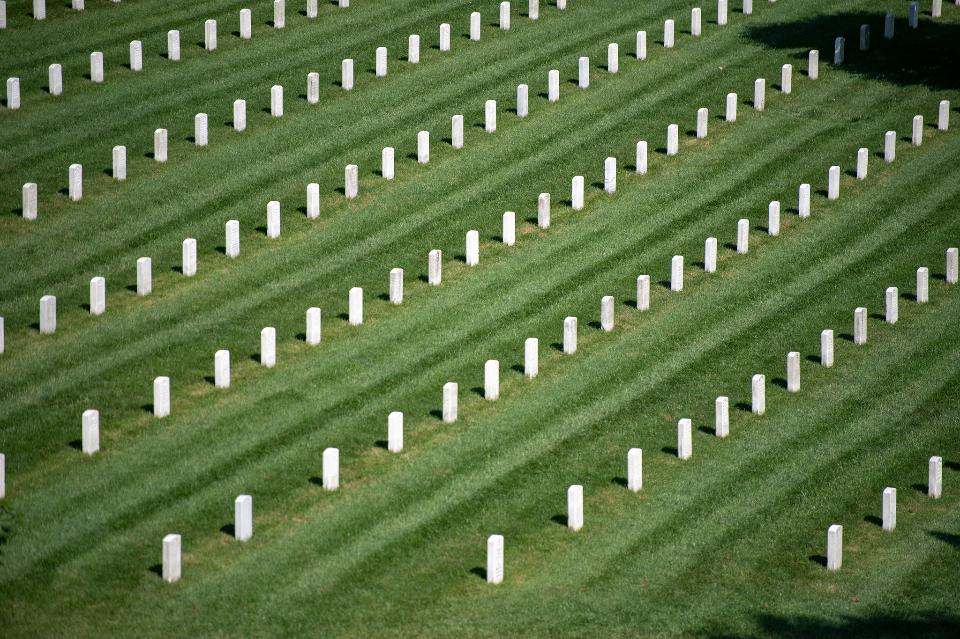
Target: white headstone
(3,25)
(641,161)
(543,210)
(533,9)
(331,468)
(838,50)
(76,182)
(786,79)
(48,314)
(575,507)
(344,4)
(456,132)
(643,292)
(505,16)
(351,181)
(3,467)
(346,74)
(90,436)
(276,101)
(171,558)
(913,15)
(246,23)
(864,37)
(473,248)
(935,477)
(243,518)
(39,9)
(160,145)
(311,9)
(313,200)
(917,137)
(475,26)
(860,326)
(703,114)
(635,469)
(668,36)
(450,402)
(232,243)
(210,35)
(396,286)
(434,267)
(509,233)
(773,218)
(200,129)
(161,397)
(710,255)
(268,347)
(833,183)
(523,100)
(381,62)
(793,372)
(943,115)
(423,147)
(676,273)
(570,335)
(355,306)
(221,369)
(189,257)
(491,380)
(98,295)
(553,85)
(413,49)
(610,175)
(826,348)
(136,55)
(395,431)
(923,285)
(279,14)
(888,22)
(387,161)
(721,410)
(313,333)
(144,276)
(731,113)
(495,559)
(936,10)
(743,236)
(96,66)
(173,45)
(890,146)
(531,357)
(606,313)
(813,64)
(952,268)
(239,115)
(863,160)
(892,299)
(119,163)
(721,12)
(673,139)
(758,386)
(759,94)
(29,201)
(834,547)
(747,7)
(696,23)
(55,79)
(684,438)
(889,509)
(583,72)
(613,57)
(576,193)
(641,50)
(444,37)
(803,207)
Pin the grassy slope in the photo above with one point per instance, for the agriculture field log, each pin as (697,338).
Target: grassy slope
(721,544)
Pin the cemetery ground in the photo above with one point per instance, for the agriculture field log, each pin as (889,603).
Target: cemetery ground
(731,542)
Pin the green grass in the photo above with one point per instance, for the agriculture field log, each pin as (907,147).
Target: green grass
(725,544)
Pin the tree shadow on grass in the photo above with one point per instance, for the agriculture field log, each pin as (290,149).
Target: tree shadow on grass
(928,624)
(926,56)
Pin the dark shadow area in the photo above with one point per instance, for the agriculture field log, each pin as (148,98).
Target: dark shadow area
(730,245)
(779,381)
(670,450)
(148,408)
(951,465)
(619,481)
(235,34)
(597,185)
(920,488)
(316,481)
(202,44)
(85,307)
(478,390)
(927,56)
(423,278)
(706,430)
(559,519)
(744,406)
(594,324)
(156,569)
(384,296)
(813,358)
(221,249)
(35,326)
(177,269)
(191,139)
(909,296)
(228,530)
(210,379)
(381,443)
(631,303)
(517,368)
(846,336)
(436,413)
(255,358)
(131,287)
(149,155)
(926,624)
(873,519)
(479,571)
(262,230)
(341,190)
(343,316)
(460,258)
(228,123)
(557,346)
(301,337)
(76,443)
(818,559)
(302,210)
(949,538)
(664,283)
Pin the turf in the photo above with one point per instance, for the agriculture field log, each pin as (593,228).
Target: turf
(729,543)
